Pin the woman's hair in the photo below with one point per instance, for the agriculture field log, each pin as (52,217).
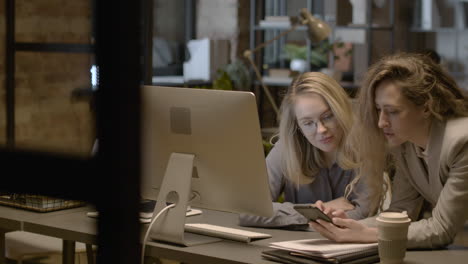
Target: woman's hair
(301,159)
(424,83)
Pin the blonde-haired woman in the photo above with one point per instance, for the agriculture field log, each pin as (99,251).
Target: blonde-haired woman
(310,163)
(411,105)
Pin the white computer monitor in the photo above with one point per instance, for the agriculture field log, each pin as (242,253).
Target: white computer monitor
(204,142)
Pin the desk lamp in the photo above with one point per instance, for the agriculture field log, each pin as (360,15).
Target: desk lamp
(317,31)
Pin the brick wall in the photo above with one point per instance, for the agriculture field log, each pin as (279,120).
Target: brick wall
(46,116)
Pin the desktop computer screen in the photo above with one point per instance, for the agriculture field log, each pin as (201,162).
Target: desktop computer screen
(220,130)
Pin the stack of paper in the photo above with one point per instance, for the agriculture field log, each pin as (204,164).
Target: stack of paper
(308,250)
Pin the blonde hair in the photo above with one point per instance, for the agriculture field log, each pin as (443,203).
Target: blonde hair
(424,83)
(302,160)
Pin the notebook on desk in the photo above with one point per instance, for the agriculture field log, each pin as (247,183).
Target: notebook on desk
(285,256)
(323,250)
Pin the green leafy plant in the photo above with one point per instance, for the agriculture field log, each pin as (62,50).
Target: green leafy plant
(267,146)
(233,76)
(318,54)
(223,82)
(294,51)
(239,75)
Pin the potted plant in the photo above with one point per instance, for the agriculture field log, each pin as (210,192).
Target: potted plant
(297,55)
(318,55)
(233,76)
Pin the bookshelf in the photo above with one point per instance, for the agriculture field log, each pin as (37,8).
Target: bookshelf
(447,27)
(268,18)
(262,28)
(325,10)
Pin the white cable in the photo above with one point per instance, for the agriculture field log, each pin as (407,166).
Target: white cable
(149,230)
(273,139)
(194,196)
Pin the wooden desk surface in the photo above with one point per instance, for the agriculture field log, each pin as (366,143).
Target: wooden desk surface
(73,224)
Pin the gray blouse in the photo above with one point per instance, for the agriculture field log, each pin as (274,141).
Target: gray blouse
(329,184)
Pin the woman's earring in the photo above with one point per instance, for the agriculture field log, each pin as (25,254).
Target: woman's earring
(426,113)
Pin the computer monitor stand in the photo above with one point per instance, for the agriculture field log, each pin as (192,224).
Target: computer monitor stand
(176,186)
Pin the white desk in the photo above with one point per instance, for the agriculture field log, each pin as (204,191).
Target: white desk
(74,225)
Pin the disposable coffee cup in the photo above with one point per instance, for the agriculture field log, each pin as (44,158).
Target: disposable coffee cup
(392,233)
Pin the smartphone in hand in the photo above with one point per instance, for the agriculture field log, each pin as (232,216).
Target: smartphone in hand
(311,212)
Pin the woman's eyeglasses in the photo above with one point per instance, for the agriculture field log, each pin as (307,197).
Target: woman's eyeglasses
(327,120)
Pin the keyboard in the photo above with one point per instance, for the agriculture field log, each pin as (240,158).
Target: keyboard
(225,232)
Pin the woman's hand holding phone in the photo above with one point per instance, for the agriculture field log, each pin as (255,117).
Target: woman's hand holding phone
(311,212)
(345,230)
(335,208)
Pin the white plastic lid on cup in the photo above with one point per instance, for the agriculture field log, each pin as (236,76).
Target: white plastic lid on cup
(394,217)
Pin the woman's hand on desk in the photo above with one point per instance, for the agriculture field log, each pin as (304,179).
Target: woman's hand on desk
(345,230)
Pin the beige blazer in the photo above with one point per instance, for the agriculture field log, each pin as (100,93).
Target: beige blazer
(444,184)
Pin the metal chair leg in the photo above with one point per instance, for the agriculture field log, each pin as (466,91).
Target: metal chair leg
(90,253)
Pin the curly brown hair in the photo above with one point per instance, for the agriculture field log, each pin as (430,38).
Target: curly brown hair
(423,82)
